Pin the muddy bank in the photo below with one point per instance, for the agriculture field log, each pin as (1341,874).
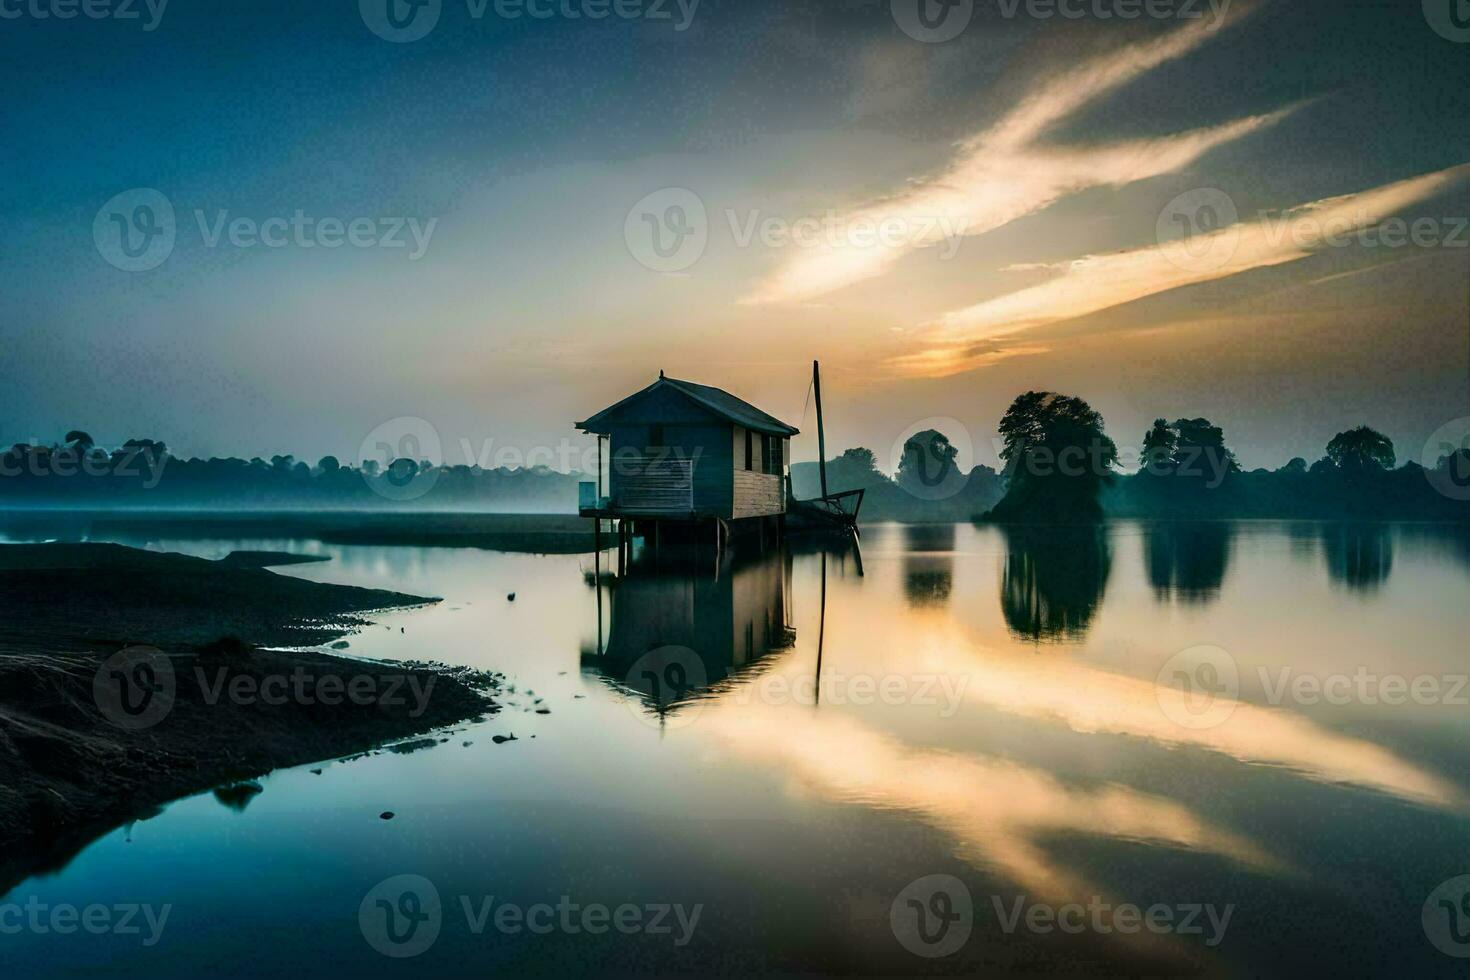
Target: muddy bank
(95,731)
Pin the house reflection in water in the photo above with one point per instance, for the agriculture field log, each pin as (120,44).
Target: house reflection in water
(672,635)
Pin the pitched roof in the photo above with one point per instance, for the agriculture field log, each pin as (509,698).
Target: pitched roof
(715,400)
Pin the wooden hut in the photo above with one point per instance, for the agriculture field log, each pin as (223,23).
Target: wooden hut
(687,454)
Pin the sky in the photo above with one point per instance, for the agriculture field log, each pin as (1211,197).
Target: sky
(250,228)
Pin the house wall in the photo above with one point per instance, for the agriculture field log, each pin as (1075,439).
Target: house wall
(753,493)
(707,443)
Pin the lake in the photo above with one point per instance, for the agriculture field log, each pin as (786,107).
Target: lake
(1224,748)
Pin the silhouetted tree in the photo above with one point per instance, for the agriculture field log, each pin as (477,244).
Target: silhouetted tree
(1057,459)
(928,468)
(1296,466)
(80,441)
(328,465)
(1199,450)
(1361,449)
(1158,448)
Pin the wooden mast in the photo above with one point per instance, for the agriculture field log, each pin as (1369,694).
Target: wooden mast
(821,434)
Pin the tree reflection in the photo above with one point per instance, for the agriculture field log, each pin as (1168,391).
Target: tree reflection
(928,564)
(1187,560)
(1053,580)
(1359,556)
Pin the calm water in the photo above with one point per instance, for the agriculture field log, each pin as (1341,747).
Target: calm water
(790,746)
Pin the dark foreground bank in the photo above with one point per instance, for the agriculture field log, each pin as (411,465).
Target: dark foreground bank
(130,678)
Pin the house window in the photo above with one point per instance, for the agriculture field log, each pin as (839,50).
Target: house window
(749,450)
(774,453)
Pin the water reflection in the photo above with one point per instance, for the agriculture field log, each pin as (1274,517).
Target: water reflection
(675,634)
(1359,556)
(1187,561)
(1053,579)
(928,564)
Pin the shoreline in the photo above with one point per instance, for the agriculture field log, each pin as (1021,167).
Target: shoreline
(83,750)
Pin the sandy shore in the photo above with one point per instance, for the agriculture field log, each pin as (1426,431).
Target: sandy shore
(130,678)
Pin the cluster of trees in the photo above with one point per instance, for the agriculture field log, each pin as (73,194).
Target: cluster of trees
(1061,466)
(142,473)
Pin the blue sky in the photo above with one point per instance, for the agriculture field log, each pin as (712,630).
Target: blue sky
(525,147)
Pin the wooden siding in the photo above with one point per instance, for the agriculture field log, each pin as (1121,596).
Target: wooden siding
(753,493)
(705,445)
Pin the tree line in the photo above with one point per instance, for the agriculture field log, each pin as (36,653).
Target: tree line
(143,473)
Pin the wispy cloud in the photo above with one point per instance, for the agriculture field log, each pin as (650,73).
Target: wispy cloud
(970,338)
(1001,174)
